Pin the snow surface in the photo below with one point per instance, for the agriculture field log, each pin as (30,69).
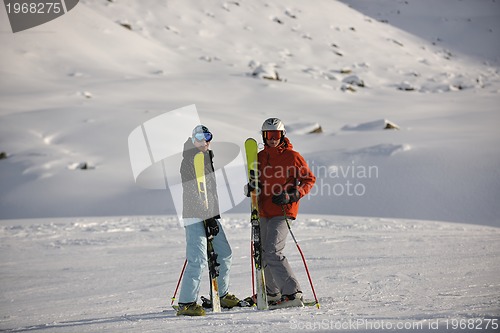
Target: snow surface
(84,248)
(118,275)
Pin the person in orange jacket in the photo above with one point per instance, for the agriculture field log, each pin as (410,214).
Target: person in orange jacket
(284,178)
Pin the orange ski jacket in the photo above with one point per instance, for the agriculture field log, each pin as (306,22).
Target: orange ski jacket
(281,169)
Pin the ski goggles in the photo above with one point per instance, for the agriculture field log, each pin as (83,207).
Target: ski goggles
(205,136)
(272,135)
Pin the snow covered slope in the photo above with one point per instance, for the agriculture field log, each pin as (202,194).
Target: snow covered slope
(469,27)
(118,274)
(73,89)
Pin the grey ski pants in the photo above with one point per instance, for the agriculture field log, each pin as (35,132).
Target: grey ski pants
(278,272)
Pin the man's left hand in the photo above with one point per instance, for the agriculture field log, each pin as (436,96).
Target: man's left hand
(287,197)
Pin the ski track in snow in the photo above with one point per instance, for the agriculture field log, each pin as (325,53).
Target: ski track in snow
(118,274)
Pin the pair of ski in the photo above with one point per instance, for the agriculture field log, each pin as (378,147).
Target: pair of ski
(213,265)
(251,150)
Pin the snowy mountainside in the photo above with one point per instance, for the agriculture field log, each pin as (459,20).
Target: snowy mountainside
(466,27)
(73,89)
(300,43)
(85,249)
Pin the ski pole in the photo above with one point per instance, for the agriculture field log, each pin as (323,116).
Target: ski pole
(302,255)
(179,282)
(253,273)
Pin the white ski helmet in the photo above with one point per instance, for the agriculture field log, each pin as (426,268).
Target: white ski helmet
(273,124)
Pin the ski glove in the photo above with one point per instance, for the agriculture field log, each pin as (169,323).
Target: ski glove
(287,197)
(212,227)
(248,188)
